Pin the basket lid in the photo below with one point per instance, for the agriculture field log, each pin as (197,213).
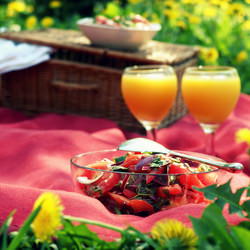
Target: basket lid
(152,52)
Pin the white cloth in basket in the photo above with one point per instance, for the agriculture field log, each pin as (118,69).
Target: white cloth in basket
(20,56)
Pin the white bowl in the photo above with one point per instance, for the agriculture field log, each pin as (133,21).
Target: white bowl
(117,37)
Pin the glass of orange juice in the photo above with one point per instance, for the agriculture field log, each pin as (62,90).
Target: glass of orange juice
(210,93)
(149,92)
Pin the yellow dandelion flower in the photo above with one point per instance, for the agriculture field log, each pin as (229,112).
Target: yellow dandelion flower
(172,14)
(181,24)
(31,22)
(242,56)
(209,55)
(210,12)
(155,18)
(243,135)
(237,9)
(219,2)
(194,19)
(29,8)
(48,219)
(247,1)
(15,7)
(191,1)
(246,25)
(166,230)
(55,4)
(169,3)
(47,21)
(134,1)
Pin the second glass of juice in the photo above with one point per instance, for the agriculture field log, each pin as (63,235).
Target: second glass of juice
(210,93)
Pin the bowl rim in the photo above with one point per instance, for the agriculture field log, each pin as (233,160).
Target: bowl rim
(88,22)
(130,173)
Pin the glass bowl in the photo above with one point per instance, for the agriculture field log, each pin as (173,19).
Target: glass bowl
(140,183)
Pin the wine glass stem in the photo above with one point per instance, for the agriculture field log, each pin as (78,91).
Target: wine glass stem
(209,130)
(151,134)
(209,148)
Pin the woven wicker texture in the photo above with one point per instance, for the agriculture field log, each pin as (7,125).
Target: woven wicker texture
(83,79)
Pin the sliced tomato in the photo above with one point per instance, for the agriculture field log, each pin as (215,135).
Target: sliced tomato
(208,178)
(177,169)
(195,197)
(185,178)
(120,200)
(131,160)
(90,174)
(191,180)
(150,177)
(177,200)
(140,206)
(103,185)
(166,191)
(128,193)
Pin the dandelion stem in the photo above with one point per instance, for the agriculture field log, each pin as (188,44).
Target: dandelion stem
(93,222)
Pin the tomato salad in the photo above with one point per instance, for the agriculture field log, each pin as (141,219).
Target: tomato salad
(144,183)
(130,21)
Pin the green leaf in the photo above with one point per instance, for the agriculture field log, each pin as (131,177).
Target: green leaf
(22,231)
(134,239)
(157,162)
(246,207)
(120,159)
(245,224)
(7,222)
(212,228)
(242,235)
(222,195)
(4,230)
(120,168)
(81,237)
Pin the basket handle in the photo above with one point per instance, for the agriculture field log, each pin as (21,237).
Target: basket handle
(68,85)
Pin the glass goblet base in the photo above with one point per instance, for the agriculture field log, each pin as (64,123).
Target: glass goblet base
(150,127)
(209,130)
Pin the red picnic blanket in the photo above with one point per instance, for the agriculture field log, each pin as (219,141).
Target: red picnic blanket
(35,154)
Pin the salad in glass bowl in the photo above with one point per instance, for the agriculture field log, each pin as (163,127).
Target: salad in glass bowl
(140,183)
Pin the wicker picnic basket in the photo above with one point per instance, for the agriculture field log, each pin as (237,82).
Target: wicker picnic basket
(84,79)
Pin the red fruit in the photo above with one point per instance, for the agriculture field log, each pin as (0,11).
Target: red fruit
(166,191)
(195,197)
(128,193)
(140,206)
(131,160)
(104,184)
(101,19)
(208,178)
(149,178)
(175,189)
(139,19)
(175,168)
(190,180)
(120,200)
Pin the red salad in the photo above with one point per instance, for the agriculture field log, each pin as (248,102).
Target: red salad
(130,21)
(144,183)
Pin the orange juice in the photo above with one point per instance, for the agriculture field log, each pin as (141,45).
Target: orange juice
(149,96)
(210,98)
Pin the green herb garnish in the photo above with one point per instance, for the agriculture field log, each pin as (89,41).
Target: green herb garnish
(158,162)
(120,159)
(120,168)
